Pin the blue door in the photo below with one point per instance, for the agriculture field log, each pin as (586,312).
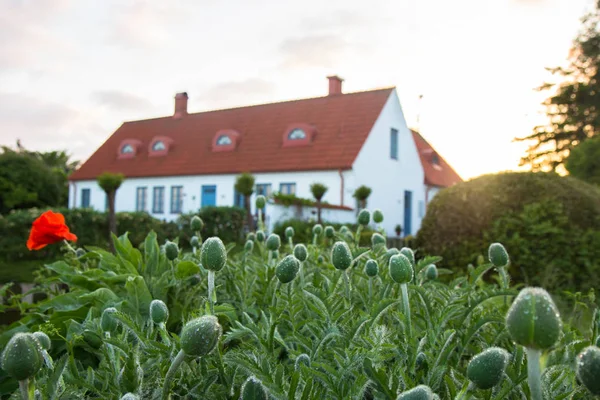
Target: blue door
(407,229)
(209,195)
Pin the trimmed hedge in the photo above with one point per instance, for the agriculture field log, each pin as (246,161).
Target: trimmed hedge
(303,230)
(549,224)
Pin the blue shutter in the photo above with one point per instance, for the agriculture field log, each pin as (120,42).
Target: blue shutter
(394,144)
(85,198)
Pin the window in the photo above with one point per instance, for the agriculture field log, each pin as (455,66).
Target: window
(140,199)
(421,209)
(287,188)
(176,199)
(297,134)
(435,159)
(224,140)
(394,144)
(238,199)
(158,200)
(127,149)
(85,197)
(159,145)
(264,189)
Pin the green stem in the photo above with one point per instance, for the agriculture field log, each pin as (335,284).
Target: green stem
(211,288)
(291,243)
(24,388)
(406,305)
(171,373)
(260,220)
(534,373)
(347,285)
(358,232)
(463,394)
(314,239)
(370,290)
(71,249)
(504,277)
(221,367)
(274,298)
(162,330)
(271,335)
(302,274)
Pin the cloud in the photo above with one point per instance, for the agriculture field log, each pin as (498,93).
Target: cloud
(313,51)
(223,94)
(121,101)
(344,20)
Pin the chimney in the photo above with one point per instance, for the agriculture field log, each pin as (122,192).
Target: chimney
(181,100)
(335,85)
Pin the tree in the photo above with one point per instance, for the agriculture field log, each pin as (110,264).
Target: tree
(584,161)
(361,194)
(572,110)
(110,183)
(244,184)
(318,190)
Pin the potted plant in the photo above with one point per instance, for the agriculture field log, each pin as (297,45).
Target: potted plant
(398,230)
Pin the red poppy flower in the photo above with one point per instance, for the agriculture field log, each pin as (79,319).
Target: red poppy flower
(47,229)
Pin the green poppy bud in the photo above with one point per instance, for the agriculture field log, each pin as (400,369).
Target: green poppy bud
(260,236)
(249,246)
(401,269)
(213,254)
(486,369)
(320,259)
(344,230)
(329,232)
(588,368)
(371,268)
(377,216)
(108,322)
(598,341)
(420,392)
(261,201)
(300,252)
(421,363)
(79,253)
(273,242)
(377,240)
(251,236)
(171,250)
(497,255)
(341,257)
(289,232)
(159,311)
(92,339)
(194,241)
(253,389)
(317,229)
(364,217)
(431,273)
(389,253)
(409,254)
(21,358)
(200,336)
(302,359)
(533,320)
(196,223)
(287,269)
(43,340)
(130,396)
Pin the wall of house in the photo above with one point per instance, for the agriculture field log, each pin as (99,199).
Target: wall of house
(389,178)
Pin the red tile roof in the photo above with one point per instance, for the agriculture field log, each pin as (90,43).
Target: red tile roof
(342,124)
(442,174)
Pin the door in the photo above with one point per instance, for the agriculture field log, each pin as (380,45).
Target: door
(407,228)
(209,196)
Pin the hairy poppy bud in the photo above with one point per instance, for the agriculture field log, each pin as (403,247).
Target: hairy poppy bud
(329,232)
(92,339)
(377,216)
(588,368)
(159,311)
(371,268)
(200,336)
(420,392)
(253,389)
(320,259)
(79,253)
(273,242)
(287,269)
(409,254)
(421,363)
(302,359)
(43,340)
(194,241)
(108,322)
(344,230)
(196,223)
(21,358)
(300,252)
(389,253)
(486,369)
(364,217)
(401,269)
(213,254)
(497,255)
(260,236)
(377,239)
(289,232)
(251,236)
(171,250)
(598,341)
(317,229)
(249,246)
(533,320)
(431,272)
(341,257)
(130,396)
(261,201)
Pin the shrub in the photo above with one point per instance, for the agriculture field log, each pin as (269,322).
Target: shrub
(225,222)
(303,230)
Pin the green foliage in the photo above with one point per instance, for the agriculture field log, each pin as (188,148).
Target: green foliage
(225,222)
(110,182)
(361,194)
(303,230)
(583,161)
(318,190)
(244,184)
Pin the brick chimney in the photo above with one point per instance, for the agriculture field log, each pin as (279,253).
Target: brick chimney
(181,100)
(335,85)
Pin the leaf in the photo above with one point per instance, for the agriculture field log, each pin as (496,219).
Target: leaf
(378,378)
(139,295)
(185,269)
(100,297)
(151,253)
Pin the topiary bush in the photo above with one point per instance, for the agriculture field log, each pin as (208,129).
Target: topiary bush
(549,224)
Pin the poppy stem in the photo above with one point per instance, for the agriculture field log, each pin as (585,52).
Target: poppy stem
(69,246)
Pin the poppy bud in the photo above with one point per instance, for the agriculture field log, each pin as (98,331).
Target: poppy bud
(213,254)
(260,236)
(320,259)
(377,239)
(364,217)
(249,246)
(261,201)
(194,241)
(409,254)
(497,255)
(371,268)
(251,236)
(21,358)
(300,252)
(421,363)
(200,336)
(130,396)
(588,368)
(344,230)
(92,339)
(253,389)
(43,340)
(171,250)
(108,322)
(486,369)
(317,229)
(159,311)
(401,269)
(289,232)
(273,242)
(196,223)
(287,269)
(389,253)
(431,272)
(533,320)
(79,253)
(329,232)
(302,359)
(377,216)
(341,257)
(420,392)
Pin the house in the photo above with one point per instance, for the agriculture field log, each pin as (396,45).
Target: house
(184,161)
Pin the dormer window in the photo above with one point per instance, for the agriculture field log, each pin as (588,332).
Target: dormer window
(299,134)
(435,160)
(128,148)
(225,140)
(159,146)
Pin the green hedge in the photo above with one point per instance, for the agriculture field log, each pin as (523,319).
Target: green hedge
(303,230)
(549,224)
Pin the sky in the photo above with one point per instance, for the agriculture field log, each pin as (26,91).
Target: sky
(72,71)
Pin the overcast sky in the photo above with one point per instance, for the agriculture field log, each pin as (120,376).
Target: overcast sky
(71,71)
